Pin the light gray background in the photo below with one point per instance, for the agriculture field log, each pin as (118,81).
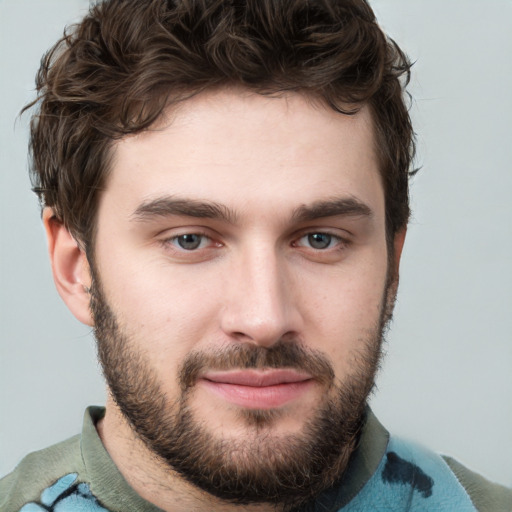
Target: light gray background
(447,379)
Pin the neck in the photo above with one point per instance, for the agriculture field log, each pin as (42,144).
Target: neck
(150,477)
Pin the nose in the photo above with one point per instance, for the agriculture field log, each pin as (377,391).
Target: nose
(260,305)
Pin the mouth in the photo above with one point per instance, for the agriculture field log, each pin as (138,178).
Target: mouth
(258,389)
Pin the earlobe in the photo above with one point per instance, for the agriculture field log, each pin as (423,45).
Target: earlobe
(69,266)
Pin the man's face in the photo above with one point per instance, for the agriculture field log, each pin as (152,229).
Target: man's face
(241,289)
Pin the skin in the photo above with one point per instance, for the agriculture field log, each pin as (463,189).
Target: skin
(255,277)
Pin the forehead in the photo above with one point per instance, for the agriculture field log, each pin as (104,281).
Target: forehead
(249,151)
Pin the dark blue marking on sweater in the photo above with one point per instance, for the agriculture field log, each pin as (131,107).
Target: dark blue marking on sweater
(400,471)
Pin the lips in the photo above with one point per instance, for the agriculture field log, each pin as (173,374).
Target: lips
(258,389)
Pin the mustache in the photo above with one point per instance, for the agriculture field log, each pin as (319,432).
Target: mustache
(283,354)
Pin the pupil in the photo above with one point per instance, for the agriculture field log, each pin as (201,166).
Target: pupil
(189,242)
(319,240)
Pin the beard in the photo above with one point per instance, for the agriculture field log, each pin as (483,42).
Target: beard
(260,466)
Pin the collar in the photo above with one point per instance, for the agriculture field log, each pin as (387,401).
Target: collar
(108,484)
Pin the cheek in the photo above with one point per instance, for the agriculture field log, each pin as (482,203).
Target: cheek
(164,309)
(350,292)
(342,318)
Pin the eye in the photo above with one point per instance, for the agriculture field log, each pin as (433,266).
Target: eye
(319,241)
(190,246)
(190,241)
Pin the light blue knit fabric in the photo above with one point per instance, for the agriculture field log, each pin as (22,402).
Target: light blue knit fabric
(66,496)
(411,479)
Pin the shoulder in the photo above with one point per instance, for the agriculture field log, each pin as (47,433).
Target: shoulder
(412,478)
(445,481)
(442,482)
(485,495)
(38,471)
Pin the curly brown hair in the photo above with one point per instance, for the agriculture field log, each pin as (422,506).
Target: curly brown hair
(116,71)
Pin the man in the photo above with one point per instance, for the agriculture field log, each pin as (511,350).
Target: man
(225,191)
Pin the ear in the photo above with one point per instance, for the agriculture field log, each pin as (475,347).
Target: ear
(70,267)
(398,245)
(394,262)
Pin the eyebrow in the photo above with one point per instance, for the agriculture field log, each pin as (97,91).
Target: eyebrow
(167,206)
(349,206)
